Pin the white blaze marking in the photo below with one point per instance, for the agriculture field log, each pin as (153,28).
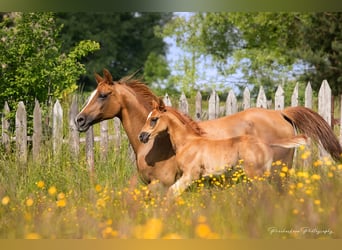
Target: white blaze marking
(149,115)
(89,100)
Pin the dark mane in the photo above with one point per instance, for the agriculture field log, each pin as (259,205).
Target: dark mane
(186,120)
(144,94)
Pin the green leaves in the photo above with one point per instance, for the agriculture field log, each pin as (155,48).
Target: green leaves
(33,65)
(266,47)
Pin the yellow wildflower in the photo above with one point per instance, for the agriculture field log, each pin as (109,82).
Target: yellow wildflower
(277,163)
(316,177)
(108,232)
(40,184)
(308,191)
(317,163)
(295,211)
(98,188)
(60,196)
(330,174)
(29,202)
(61,203)
(202,230)
(300,185)
(317,202)
(5,200)
(284,169)
(52,190)
(32,236)
(172,236)
(101,203)
(282,175)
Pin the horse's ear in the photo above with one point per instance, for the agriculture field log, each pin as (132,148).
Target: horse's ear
(98,78)
(155,105)
(108,77)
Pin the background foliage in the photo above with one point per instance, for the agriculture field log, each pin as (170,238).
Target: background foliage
(266,48)
(127,40)
(33,64)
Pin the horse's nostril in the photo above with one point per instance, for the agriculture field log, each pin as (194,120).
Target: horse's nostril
(80,120)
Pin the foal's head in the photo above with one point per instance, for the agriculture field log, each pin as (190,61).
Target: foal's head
(154,125)
(156,121)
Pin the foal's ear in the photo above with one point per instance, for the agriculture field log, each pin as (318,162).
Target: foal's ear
(108,76)
(98,78)
(161,105)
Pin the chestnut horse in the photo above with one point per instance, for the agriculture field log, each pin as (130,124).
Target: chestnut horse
(200,156)
(131,101)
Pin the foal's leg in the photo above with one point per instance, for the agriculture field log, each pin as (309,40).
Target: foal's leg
(180,185)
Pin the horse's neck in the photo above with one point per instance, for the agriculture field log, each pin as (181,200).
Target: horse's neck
(179,133)
(133,117)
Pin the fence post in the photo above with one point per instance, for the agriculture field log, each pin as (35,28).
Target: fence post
(90,149)
(21,132)
(6,140)
(167,100)
(74,136)
(117,133)
(231,103)
(57,128)
(324,108)
(183,104)
(308,96)
(261,99)
(214,106)
(294,97)
(246,99)
(279,99)
(37,131)
(324,102)
(198,105)
(104,140)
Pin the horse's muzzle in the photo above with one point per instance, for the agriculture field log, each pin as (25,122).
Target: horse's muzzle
(81,123)
(144,137)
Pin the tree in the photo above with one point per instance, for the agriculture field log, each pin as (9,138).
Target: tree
(33,64)
(267,48)
(321,49)
(127,41)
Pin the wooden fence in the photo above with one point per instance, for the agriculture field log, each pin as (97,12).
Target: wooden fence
(325,109)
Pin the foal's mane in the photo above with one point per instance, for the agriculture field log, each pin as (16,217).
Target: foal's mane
(186,120)
(143,93)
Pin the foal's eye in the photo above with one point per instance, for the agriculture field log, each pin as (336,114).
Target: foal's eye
(153,121)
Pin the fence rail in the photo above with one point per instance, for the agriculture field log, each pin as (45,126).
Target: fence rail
(72,138)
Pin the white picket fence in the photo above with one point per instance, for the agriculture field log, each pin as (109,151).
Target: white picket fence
(72,138)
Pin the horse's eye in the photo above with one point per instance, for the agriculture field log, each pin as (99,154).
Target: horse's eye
(103,95)
(153,121)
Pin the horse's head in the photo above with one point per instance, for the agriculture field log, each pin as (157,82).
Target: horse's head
(154,124)
(103,103)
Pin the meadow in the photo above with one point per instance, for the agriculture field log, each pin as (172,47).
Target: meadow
(57,198)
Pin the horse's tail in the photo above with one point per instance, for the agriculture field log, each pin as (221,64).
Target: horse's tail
(292,142)
(311,124)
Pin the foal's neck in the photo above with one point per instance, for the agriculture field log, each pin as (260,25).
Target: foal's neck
(179,133)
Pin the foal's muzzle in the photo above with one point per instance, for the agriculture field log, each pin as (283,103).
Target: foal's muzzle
(144,137)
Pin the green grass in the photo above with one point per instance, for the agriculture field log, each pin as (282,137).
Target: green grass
(57,198)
